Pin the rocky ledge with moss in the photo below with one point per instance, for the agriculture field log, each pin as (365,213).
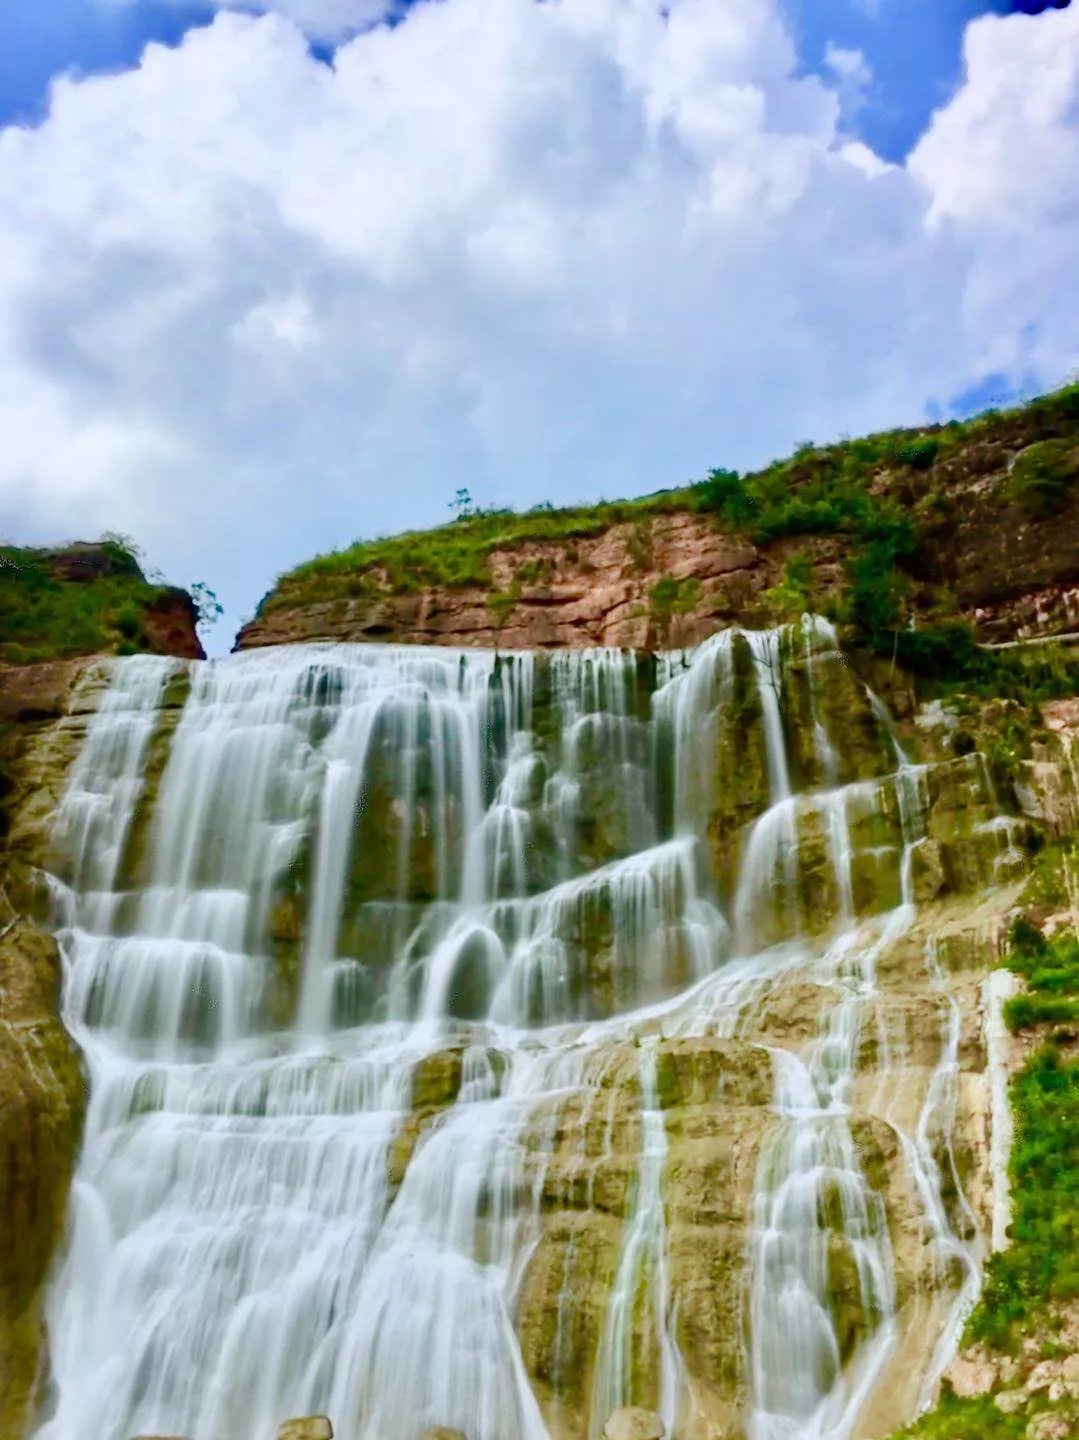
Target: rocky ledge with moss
(967,527)
(61,611)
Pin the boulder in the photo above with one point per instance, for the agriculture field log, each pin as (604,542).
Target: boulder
(1010,1402)
(1069,1369)
(306,1427)
(1050,1427)
(972,1375)
(632,1422)
(443,1432)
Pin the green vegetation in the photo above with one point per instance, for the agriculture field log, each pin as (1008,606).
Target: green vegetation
(1041,1267)
(456,554)
(208,609)
(50,609)
(955,1419)
(947,656)
(1042,475)
(1029,1285)
(501,603)
(794,594)
(670,597)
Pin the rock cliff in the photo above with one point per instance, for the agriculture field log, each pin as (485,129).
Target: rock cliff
(541,863)
(988,510)
(579,1111)
(82,597)
(89,598)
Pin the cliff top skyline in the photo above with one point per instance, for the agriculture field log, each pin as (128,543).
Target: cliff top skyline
(282,276)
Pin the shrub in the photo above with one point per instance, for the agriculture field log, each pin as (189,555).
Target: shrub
(919,454)
(793,596)
(1042,476)
(726,492)
(44,618)
(1041,1267)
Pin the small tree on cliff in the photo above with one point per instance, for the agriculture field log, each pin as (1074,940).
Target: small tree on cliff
(208,609)
(462,505)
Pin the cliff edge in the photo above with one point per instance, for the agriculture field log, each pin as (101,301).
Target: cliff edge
(973,523)
(61,610)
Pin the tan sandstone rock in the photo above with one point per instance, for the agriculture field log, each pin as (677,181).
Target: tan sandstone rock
(306,1427)
(634,1423)
(1050,1427)
(972,1375)
(1010,1402)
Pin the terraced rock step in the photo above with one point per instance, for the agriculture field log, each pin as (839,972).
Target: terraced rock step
(511,1042)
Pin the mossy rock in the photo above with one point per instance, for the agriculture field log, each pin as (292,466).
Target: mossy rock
(708,1070)
(44,1100)
(1043,477)
(561,1311)
(740,766)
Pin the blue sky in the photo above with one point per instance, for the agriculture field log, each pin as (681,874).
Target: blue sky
(252,307)
(912,46)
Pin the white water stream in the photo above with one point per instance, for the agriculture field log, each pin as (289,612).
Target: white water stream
(500,869)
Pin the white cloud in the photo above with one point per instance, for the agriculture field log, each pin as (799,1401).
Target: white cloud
(252,306)
(329,21)
(852,75)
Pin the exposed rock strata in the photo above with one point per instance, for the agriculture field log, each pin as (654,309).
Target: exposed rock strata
(44,709)
(1009,567)
(597,592)
(42,1088)
(715,1090)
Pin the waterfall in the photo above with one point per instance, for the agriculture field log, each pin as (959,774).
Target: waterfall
(382,960)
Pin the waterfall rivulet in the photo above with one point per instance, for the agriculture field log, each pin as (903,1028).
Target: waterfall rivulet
(388,965)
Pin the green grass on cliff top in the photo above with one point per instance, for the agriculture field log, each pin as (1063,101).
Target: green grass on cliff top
(834,489)
(44,617)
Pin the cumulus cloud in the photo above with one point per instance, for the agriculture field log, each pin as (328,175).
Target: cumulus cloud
(326,21)
(252,306)
(852,75)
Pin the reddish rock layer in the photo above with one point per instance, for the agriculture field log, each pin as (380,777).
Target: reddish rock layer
(596,591)
(995,523)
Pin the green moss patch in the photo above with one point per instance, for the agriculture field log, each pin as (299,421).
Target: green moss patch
(51,609)
(1034,1283)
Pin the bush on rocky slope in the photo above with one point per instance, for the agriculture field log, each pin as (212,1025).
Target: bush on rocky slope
(86,599)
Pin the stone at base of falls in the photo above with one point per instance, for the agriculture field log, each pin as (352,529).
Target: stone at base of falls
(306,1427)
(1010,1402)
(443,1432)
(634,1423)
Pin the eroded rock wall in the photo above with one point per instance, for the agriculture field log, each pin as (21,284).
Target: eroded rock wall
(43,714)
(579,1180)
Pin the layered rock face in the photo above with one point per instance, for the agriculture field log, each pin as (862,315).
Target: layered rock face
(499,1041)
(45,709)
(595,591)
(993,511)
(42,1085)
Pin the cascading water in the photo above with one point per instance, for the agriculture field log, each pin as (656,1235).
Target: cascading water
(374,951)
